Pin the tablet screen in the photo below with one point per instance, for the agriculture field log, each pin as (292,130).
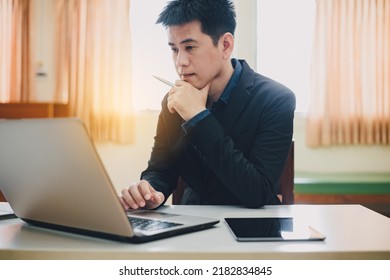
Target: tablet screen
(271,229)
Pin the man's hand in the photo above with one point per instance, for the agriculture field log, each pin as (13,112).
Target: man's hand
(187,100)
(141,195)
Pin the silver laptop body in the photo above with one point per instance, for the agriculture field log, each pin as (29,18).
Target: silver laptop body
(52,176)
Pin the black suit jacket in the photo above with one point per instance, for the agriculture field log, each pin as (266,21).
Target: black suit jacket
(236,159)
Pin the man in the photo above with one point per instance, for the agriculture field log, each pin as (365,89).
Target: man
(224,129)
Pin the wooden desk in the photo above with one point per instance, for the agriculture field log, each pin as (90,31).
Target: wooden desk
(353,232)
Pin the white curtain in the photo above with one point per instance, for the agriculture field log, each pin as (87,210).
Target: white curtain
(94,65)
(350,100)
(15,51)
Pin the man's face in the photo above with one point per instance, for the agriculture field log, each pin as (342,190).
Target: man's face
(197,60)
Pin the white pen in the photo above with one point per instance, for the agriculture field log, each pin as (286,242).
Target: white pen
(164,81)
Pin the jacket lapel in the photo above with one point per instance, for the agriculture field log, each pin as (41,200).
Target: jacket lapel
(239,98)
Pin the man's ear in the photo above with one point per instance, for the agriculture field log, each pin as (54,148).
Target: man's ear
(228,44)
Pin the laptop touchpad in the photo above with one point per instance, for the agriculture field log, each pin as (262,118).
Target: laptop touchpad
(150,214)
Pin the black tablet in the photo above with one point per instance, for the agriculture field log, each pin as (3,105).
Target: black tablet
(272,229)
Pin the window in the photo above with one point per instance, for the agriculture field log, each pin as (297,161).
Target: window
(151,55)
(284,44)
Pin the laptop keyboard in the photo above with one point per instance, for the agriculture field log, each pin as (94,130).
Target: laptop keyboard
(150,225)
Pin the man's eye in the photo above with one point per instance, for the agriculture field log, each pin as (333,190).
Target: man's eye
(174,50)
(189,48)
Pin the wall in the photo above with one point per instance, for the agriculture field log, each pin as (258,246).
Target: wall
(338,159)
(124,163)
(245,35)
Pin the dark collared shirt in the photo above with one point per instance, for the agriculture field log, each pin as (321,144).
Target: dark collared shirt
(223,100)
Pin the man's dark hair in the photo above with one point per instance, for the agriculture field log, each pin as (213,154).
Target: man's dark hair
(216,16)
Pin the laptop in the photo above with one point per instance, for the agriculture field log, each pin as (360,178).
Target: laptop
(6,211)
(52,176)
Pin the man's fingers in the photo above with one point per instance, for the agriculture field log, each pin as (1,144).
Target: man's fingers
(171,107)
(145,189)
(171,100)
(128,199)
(157,197)
(125,205)
(141,195)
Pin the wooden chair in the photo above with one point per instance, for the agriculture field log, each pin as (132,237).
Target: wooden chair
(286,185)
